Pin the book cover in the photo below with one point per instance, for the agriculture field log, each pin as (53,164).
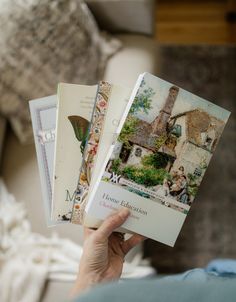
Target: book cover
(43,116)
(166,139)
(110,103)
(75,107)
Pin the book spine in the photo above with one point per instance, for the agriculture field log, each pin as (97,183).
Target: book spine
(58,96)
(103,92)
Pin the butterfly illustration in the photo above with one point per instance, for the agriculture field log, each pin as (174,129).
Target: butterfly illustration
(81,129)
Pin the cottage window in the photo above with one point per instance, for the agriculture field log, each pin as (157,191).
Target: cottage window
(138,152)
(208,141)
(177,130)
(197,172)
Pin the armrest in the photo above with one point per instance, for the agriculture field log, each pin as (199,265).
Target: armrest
(124,16)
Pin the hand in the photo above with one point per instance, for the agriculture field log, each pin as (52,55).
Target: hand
(104,252)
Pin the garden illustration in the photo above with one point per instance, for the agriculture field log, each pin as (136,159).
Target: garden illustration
(164,159)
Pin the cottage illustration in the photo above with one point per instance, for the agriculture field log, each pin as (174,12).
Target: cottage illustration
(144,139)
(184,143)
(189,137)
(198,134)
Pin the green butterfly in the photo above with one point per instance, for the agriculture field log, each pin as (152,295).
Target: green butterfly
(81,129)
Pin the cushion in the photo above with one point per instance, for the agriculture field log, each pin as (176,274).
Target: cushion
(42,43)
(138,54)
(125,16)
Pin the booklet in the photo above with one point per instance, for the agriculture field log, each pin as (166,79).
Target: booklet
(93,138)
(110,104)
(166,138)
(43,116)
(75,107)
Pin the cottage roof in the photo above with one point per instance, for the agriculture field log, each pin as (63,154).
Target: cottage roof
(198,122)
(144,137)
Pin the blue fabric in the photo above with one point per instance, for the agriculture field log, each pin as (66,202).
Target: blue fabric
(216,268)
(197,274)
(222,267)
(215,283)
(163,290)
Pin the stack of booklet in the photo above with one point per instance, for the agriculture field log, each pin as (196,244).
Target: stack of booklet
(104,147)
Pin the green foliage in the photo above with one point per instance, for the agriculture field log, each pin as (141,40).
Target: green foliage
(145,176)
(160,141)
(115,167)
(203,164)
(143,100)
(106,179)
(128,129)
(193,184)
(192,190)
(129,171)
(156,160)
(192,178)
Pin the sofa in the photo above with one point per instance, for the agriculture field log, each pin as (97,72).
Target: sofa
(133,23)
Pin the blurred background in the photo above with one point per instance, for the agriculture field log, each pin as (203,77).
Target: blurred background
(196,22)
(197,51)
(189,43)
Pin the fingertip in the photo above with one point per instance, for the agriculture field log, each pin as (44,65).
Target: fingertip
(112,222)
(124,213)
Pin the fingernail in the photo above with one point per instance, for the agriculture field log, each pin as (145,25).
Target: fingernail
(124,213)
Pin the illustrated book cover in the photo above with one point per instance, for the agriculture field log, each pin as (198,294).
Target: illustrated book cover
(165,142)
(43,116)
(75,107)
(110,104)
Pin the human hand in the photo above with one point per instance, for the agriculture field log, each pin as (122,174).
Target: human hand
(104,252)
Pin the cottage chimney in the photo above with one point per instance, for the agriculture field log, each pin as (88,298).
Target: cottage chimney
(159,125)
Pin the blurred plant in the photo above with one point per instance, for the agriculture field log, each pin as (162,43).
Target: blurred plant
(192,190)
(156,160)
(195,179)
(106,179)
(116,165)
(145,176)
(160,141)
(142,100)
(128,129)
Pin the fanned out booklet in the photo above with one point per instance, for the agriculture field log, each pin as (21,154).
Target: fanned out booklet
(107,147)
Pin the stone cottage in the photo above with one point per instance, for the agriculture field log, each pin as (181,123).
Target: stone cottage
(198,134)
(143,141)
(188,138)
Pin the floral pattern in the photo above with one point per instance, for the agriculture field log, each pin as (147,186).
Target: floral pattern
(90,152)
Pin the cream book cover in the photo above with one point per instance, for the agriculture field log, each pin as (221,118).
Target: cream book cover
(75,107)
(167,136)
(110,105)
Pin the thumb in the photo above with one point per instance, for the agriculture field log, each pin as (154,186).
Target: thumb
(111,223)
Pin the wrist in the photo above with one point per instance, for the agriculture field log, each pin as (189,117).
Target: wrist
(84,282)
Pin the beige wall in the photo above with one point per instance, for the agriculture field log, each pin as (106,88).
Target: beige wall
(191,157)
